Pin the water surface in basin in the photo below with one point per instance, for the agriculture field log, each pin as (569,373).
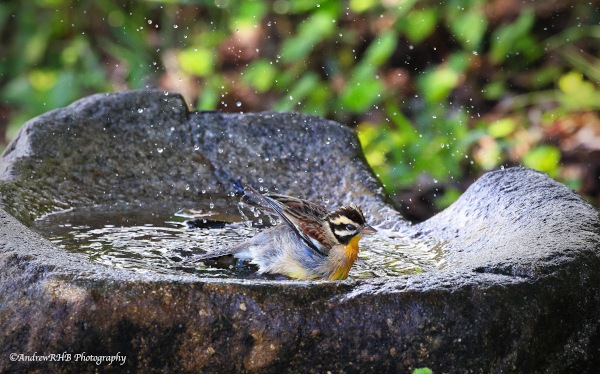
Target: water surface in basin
(164,239)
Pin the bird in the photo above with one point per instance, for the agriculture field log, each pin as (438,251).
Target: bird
(310,242)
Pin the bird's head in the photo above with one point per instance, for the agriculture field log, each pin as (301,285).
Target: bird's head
(347,223)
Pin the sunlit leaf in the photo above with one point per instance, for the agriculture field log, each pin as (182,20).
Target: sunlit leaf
(577,93)
(501,128)
(42,80)
(196,61)
(545,158)
(360,6)
(420,24)
(570,82)
(422,371)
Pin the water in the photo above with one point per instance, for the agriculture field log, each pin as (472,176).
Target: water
(163,239)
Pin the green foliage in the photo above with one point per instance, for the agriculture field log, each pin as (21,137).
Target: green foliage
(445,89)
(422,371)
(543,158)
(512,38)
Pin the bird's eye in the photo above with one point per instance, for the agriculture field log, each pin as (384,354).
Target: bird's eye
(350,227)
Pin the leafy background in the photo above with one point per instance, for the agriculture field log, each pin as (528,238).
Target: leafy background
(440,92)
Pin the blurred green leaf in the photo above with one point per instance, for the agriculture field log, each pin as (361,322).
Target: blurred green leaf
(360,6)
(380,49)
(42,80)
(577,93)
(248,14)
(546,76)
(300,90)
(504,38)
(403,125)
(362,91)
(209,98)
(318,100)
(502,128)
(302,6)
(469,26)
(420,24)
(495,90)
(319,26)
(422,371)
(449,196)
(196,61)
(437,84)
(260,74)
(544,158)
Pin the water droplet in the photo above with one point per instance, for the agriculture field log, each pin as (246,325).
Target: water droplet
(160,150)
(238,104)
(211,205)
(140,110)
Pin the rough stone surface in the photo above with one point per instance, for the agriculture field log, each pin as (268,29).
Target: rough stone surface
(520,291)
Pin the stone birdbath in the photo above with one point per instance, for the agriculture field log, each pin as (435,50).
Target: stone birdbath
(515,286)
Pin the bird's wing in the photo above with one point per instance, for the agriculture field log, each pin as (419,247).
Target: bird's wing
(301,215)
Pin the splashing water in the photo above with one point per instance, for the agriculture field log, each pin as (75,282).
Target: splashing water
(164,240)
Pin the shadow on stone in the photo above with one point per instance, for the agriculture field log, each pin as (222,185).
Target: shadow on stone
(520,291)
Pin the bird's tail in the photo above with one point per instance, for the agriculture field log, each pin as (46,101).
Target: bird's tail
(220,252)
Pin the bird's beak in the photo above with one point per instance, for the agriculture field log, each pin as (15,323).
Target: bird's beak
(368,230)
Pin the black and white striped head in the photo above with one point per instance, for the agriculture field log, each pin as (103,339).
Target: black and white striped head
(347,222)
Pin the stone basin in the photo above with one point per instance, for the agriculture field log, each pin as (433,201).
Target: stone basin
(520,290)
